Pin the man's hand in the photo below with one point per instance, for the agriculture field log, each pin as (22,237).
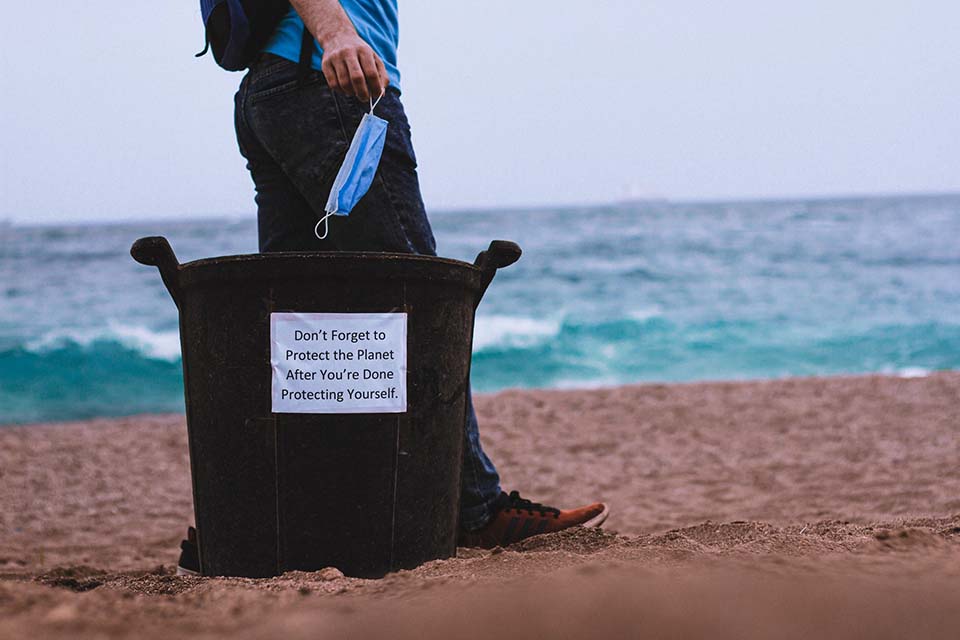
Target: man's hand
(349,64)
(352,67)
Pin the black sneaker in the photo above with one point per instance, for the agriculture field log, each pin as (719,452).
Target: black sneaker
(189,563)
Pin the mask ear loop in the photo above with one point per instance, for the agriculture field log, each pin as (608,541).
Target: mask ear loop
(325,221)
(373,103)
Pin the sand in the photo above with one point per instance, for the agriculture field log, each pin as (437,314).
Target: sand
(803,508)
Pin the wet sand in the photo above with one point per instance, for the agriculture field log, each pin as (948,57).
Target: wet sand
(799,508)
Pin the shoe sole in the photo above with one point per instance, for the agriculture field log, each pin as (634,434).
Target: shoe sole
(598,519)
(182,571)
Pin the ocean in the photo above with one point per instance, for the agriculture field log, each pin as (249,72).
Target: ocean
(604,295)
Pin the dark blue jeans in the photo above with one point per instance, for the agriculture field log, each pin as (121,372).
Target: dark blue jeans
(294,136)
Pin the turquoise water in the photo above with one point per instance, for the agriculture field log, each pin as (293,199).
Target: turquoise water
(603,295)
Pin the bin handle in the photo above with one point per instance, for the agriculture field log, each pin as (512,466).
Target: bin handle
(155,251)
(500,253)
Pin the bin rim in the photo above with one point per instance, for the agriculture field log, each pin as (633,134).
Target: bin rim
(362,255)
(156,251)
(333,263)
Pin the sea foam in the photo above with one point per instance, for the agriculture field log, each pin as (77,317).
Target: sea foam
(157,345)
(498,331)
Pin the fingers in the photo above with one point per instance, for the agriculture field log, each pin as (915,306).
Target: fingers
(382,73)
(329,70)
(343,76)
(355,70)
(358,80)
(337,73)
(371,73)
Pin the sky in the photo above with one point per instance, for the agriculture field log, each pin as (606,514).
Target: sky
(106,114)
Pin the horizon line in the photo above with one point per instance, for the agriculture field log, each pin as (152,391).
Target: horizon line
(455,210)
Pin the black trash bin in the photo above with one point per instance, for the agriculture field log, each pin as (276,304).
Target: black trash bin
(287,472)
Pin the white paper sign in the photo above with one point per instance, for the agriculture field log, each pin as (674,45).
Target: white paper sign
(339,362)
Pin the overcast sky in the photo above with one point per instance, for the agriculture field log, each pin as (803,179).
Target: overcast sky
(106,114)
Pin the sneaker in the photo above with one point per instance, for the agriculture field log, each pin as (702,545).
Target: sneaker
(189,563)
(517,519)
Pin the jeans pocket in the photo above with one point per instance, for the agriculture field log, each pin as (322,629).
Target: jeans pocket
(299,125)
(277,89)
(276,76)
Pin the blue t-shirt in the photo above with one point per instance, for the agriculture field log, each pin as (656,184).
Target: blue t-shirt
(374,20)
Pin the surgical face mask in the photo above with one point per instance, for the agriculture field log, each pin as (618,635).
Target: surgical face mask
(358,168)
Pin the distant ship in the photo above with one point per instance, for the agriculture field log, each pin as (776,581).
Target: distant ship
(635,196)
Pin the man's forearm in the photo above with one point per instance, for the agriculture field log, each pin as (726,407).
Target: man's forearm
(349,64)
(325,19)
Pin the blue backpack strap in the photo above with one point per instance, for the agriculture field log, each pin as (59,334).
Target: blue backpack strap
(306,56)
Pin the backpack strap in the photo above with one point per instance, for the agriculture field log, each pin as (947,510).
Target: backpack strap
(306,56)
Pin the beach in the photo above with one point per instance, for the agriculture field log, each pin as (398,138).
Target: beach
(792,508)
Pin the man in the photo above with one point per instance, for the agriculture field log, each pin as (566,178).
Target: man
(294,130)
